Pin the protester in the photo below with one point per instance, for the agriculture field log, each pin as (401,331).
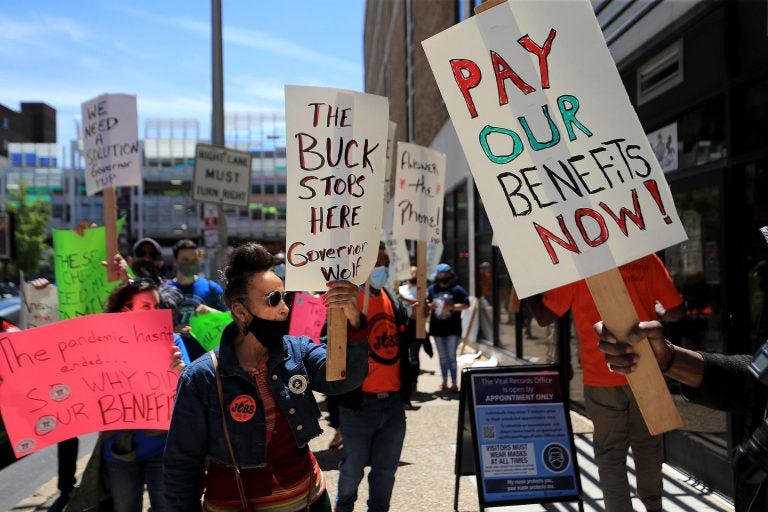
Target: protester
(718,381)
(200,294)
(446,300)
(244,446)
(372,416)
(146,259)
(129,459)
(610,403)
(407,292)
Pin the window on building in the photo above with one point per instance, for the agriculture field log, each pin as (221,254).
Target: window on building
(661,73)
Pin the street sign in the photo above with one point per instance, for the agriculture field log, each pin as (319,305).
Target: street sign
(222,176)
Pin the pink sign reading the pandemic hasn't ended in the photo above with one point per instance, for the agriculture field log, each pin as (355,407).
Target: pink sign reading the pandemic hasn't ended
(308,316)
(100,372)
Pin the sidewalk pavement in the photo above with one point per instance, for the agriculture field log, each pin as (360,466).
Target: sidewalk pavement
(425,479)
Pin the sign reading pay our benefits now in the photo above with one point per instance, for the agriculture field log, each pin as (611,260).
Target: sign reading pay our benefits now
(556,150)
(335,153)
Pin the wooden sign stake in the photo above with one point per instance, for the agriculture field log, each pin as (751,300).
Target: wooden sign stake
(336,356)
(487,5)
(110,226)
(617,311)
(421,290)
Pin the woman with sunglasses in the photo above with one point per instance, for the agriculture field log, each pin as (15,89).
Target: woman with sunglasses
(129,459)
(244,445)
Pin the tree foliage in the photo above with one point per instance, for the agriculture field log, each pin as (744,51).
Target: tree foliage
(32,216)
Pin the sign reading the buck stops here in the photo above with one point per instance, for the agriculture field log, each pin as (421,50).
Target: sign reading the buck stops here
(560,159)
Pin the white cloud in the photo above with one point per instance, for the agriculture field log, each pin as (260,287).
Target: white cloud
(39,28)
(253,39)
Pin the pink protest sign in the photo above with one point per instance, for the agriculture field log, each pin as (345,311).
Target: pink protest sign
(308,316)
(100,372)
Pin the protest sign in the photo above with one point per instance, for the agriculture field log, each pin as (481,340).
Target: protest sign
(222,176)
(336,144)
(102,372)
(110,142)
(399,259)
(560,159)
(307,316)
(389,183)
(206,328)
(39,306)
(419,182)
(555,148)
(81,280)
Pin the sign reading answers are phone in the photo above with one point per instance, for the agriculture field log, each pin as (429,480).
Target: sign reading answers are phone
(222,176)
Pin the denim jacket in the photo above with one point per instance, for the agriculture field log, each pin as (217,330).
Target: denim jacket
(196,433)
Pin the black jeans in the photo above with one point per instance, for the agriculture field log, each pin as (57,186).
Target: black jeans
(66,452)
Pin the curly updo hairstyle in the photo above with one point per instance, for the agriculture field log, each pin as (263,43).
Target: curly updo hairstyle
(245,261)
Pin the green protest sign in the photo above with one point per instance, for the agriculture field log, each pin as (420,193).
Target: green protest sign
(80,278)
(207,328)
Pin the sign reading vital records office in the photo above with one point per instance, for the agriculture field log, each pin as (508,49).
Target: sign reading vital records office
(222,176)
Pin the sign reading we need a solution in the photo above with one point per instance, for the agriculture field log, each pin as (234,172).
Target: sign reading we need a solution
(335,154)
(111,142)
(565,171)
(222,176)
(101,372)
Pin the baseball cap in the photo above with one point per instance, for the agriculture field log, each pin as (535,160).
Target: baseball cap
(443,267)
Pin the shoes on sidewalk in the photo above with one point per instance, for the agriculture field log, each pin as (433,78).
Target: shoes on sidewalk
(443,387)
(454,389)
(60,503)
(337,441)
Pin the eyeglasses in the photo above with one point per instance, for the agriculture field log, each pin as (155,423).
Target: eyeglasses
(143,282)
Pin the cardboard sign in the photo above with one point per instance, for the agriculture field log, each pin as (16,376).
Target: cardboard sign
(336,158)
(308,315)
(81,281)
(111,142)
(571,184)
(38,306)
(222,176)
(389,184)
(102,372)
(399,260)
(419,182)
(207,328)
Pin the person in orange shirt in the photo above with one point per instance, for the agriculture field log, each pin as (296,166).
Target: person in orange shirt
(373,416)
(610,403)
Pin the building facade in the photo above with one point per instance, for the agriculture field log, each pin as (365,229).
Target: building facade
(697,74)
(35,122)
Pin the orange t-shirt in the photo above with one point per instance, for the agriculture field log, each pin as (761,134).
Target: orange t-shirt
(383,345)
(647,281)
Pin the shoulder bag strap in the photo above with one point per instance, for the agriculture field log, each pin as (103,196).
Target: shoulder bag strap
(238,478)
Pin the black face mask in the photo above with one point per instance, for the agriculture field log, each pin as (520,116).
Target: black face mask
(445,281)
(268,332)
(412,281)
(144,268)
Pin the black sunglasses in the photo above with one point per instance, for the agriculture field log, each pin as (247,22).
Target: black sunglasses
(274,297)
(143,282)
(151,254)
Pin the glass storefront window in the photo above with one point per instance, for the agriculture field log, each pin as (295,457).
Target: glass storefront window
(701,135)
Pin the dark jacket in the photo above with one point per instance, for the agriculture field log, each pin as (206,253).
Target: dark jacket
(729,386)
(196,433)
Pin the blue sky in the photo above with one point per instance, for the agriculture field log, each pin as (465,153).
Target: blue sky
(63,53)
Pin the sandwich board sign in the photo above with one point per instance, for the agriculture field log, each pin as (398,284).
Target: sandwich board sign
(558,153)
(222,176)
(514,434)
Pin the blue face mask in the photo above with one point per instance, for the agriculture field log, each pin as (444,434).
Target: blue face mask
(280,270)
(379,277)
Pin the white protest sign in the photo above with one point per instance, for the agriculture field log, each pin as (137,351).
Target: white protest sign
(566,174)
(419,182)
(39,306)
(335,155)
(389,190)
(222,176)
(399,259)
(110,142)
